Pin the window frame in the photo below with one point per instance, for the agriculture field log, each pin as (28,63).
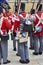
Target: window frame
(34,0)
(16,1)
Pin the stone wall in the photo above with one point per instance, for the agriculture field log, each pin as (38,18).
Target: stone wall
(28,6)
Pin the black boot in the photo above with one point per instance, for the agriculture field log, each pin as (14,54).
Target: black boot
(8,61)
(22,61)
(27,61)
(34,53)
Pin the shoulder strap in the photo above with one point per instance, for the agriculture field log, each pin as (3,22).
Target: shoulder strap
(38,16)
(39,20)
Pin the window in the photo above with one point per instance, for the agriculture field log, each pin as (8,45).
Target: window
(35,0)
(16,0)
(23,6)
(24,0)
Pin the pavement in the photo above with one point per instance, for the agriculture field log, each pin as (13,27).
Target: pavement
(34,60)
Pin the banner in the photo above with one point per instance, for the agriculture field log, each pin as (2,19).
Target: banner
(4,4)
(2,1)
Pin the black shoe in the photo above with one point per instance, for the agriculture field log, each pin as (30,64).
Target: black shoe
(14,49)
(22,61)
(40,53)
(27,61)
(34,53)
(18,54)
(8,61)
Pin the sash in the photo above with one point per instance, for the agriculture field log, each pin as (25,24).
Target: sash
(40,19)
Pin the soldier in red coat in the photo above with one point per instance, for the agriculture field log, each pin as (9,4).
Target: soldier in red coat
(16,26)
(5,26)
(38,34)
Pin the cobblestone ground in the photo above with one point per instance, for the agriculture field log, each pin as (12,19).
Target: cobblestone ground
(34,60)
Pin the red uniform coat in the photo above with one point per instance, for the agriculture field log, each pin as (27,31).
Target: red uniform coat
(16,22)
(35,23)
(23,15)
(9,15)
(6,25)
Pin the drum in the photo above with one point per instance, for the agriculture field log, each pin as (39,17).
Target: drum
(23,38)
